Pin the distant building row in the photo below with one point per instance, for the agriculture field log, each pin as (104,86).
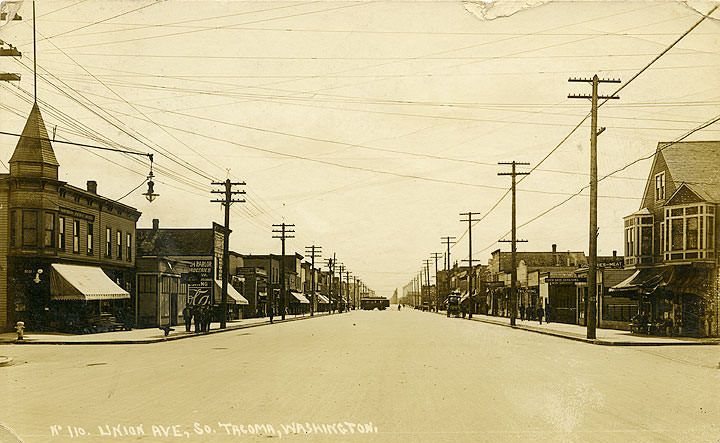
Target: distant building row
(667,282)
(73,260)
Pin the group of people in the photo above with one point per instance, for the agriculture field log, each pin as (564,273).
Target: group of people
(532,313)
(201,315)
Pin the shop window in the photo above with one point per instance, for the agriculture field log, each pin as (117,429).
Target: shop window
(660,186)
(76,236)
(108,242)
(128,246)
(29,228)
(90,238)
(61,233)
(49,238)
(118,239)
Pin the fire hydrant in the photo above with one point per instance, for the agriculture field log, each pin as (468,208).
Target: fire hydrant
(20,327)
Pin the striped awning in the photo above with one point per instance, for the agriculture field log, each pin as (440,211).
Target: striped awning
(322,299)
(299,298)
(234,297)
(83,283)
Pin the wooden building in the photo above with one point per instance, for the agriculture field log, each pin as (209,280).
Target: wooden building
(67,254)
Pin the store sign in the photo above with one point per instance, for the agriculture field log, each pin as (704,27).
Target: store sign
(493,284)
(200,282)
(606,265)
(564,280)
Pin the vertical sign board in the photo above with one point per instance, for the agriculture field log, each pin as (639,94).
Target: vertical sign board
(200,282)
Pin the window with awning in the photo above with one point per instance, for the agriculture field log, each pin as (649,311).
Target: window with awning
(299,298)
(645,280)
(234,297)
(83,283)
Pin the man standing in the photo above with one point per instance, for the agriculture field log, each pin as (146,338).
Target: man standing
(197,314)
(540,313)
(187,317)
(547,313)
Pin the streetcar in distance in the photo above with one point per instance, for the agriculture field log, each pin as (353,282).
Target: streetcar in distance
(370,303)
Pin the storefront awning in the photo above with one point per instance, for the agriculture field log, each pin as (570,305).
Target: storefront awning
(689,280)
(643,280)
(85,283)
(299,298)
(234,297)
(464,296)
(322,299)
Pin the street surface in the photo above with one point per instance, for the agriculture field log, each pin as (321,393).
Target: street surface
(395,376)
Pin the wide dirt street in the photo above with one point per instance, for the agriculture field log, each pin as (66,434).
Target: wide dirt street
(362,376)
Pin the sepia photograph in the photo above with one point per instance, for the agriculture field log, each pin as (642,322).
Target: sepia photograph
(359,221)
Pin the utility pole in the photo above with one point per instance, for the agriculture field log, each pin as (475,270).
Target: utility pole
(591,301)
(347,295)
(10,50)
(226,201)
(448,240)
(340,286)
(331,269)
(427,281)
(436,256)
(356,302)
(313,251)
(284,232)
(513,239)
(470,219)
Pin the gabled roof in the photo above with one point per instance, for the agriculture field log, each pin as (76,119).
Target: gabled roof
(34,146)
(696,164)
(176,242)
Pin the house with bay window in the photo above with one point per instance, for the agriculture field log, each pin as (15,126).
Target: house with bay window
(670,242)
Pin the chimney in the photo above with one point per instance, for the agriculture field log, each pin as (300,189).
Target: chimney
(614,254)
(554,248)
(156,224)
(92,186)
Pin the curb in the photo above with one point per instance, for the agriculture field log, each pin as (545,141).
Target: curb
(600,342)
(158,339)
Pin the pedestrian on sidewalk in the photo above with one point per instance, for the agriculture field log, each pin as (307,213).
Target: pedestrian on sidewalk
(196,317)
(540,313)
(187,317)
(271,313)
(547,313)
(522,312)
(208,318)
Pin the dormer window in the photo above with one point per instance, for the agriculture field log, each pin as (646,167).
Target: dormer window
(660,186)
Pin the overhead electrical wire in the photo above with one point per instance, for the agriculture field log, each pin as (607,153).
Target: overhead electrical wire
(564,139)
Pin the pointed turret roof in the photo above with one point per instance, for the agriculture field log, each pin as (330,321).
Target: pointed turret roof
(34,145)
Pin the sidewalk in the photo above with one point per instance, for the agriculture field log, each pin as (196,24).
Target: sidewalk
(140,336)
(608,337)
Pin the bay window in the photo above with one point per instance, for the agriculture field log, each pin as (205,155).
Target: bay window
(690,232)
(639,239)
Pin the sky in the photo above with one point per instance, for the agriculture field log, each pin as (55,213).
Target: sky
(369,125)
